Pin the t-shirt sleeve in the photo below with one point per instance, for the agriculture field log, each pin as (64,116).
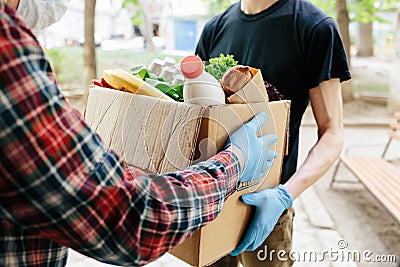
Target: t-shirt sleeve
(326,54)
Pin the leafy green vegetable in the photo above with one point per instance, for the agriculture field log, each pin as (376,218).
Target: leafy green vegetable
(219,65)
(173,91)
(141,71)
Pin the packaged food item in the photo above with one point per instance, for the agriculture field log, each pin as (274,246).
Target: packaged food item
(169,62)
(156,66)
(200,87)
(167,69)
(244,84)
(235,78)
(168,74)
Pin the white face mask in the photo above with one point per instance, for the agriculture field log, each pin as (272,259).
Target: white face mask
(39,14)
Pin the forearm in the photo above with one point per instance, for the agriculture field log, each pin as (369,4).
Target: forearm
(326,103)
(198,195)
(320,158)
(60,182)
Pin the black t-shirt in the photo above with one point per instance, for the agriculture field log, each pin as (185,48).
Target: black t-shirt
(295,45)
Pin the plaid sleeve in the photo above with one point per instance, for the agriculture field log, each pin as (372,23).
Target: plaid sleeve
(59,182)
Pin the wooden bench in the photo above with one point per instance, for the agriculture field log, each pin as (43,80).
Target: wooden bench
(377,174)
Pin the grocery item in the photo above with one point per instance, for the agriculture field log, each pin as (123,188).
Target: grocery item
(101,83)
(167,69)
(200,87)
(169,62)
(173,90)
(236,78)
(243,84)
(219,65)
(273,93)
(178,79)
(168,73)
(156,66)
(122,80)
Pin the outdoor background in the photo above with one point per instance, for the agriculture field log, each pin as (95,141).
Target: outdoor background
(124,33)
(97,35)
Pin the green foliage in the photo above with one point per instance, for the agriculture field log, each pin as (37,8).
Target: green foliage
(219,65)
(329,7)
(133,2)
(215,7)
(58,60)
(137,18)
(173,91)
(364,11)
(142,72)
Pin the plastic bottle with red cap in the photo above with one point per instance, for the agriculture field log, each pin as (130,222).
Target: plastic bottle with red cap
(200,87)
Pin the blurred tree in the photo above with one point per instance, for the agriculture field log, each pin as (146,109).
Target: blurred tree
(366,12)
(139,10)
(215,7)
(343,23)
(89,46)
(329,7)
(394,97)
(342,15)
(339,10)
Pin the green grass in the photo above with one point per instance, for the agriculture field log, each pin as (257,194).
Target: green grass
(372,88)
(67,62)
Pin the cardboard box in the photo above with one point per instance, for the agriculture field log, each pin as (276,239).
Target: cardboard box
(162,136)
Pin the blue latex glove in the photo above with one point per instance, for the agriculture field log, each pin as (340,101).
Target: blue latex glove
(257,156)
(269,204)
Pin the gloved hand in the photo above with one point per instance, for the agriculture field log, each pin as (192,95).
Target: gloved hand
(257,156)
(270,204)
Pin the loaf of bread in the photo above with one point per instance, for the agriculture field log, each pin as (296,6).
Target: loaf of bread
(236,78)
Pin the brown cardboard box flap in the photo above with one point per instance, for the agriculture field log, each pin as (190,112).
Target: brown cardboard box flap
(161,137)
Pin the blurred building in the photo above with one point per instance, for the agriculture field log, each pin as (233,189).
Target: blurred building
(111,21)
(182,23)
(176,24)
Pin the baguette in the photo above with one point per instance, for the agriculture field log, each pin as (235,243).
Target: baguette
(124,81)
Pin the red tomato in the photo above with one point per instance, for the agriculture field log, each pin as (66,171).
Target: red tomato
(96,82)
(105,84)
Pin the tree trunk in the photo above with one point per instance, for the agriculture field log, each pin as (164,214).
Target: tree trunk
(89,46)
(343,22)
(147,27)
(365,46)
(394,96)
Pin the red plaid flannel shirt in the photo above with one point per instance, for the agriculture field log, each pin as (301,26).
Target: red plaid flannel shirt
(60,186)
